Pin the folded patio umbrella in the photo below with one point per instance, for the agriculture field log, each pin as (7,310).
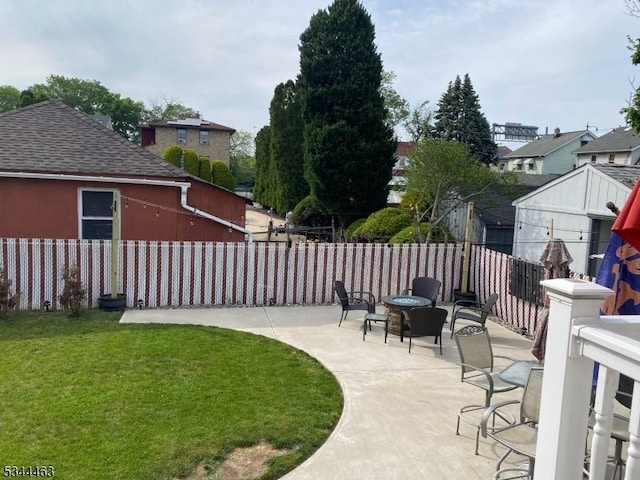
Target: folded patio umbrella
(620,271)
(555,259)
(627,225)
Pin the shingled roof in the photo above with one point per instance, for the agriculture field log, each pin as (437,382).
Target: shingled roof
(545,145)
(50,137)
(622,139)
(625,174)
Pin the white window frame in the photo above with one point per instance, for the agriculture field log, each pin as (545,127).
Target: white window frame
(178,139)
(208,134)
(81,218)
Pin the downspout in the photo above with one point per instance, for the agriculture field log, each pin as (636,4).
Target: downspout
(200,213)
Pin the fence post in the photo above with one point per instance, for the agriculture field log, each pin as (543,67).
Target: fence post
(566,386)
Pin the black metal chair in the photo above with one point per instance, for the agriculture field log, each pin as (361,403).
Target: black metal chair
(474,311)
(356,300)
(425,287)
(424,322)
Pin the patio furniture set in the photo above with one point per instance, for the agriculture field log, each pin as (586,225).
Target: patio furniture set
(414,313)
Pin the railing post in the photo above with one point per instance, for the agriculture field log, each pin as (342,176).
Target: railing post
(566,386)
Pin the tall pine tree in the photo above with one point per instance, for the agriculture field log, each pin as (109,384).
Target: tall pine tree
(287,157)
(348,147)
(459,118)
(262,189)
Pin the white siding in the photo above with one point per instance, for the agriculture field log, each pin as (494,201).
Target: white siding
(571,202)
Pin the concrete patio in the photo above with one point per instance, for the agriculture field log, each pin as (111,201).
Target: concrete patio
(400,409)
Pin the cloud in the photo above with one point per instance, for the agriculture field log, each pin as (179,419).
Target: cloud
(548,64)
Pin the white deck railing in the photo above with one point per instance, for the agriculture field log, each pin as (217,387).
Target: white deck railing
(578,336)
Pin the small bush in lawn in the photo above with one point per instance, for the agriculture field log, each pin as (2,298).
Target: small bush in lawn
(7,301)
(352,228)
(309,213)
(73,294)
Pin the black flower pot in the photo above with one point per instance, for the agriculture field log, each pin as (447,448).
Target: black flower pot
(109,304)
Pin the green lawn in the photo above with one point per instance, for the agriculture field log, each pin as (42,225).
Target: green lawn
(100,400)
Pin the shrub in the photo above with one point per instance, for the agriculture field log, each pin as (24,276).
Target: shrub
(411,199)
(7,301)
(308,212)
(380,226)
(222,175)
(352,228)
(73,294)
(191,162)
(173,154)
(408,234)
(205,169)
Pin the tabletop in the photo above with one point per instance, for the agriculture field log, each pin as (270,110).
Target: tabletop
(518,372)
(405,301)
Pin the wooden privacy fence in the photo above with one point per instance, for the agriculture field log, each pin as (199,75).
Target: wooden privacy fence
(174,274)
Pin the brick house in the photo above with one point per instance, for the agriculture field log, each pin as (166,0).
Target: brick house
(60,172)
(206,138)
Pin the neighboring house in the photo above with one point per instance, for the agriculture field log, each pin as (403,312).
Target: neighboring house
(493,214)
(618,147)
(549,154)
(60,172)
(573,208)
(206,138)
(398,178)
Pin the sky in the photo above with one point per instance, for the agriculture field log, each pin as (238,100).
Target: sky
(564,63)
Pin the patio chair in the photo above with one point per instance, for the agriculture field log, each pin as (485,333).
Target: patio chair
(356,300)
(477,369)
(425,287)
(474,311)
(424,322)
(522,436)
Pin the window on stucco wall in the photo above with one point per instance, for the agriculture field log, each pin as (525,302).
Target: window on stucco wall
(96,217)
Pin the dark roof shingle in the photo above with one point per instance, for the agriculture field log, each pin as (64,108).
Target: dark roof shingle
(50,137)
(622,139)
(545,145)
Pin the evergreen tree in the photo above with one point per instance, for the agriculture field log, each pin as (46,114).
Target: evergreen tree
(222,175)
(348,147)
(263,161)
(287,157)
(459,118)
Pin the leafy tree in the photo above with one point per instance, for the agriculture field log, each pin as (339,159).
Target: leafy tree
(446,175)
(222,175)
(287,155)
(459,118)
(166,108)
(9,98)
(205,169)
(632,111)
(397,107)
(243,170)
(29,97)
(91,97)
(419,122)
(191,162)
(348,146)
(380,226)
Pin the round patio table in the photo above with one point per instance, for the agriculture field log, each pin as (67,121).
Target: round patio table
(395,304)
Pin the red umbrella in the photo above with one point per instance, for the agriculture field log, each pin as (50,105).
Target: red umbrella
(627,225)
(555,259)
